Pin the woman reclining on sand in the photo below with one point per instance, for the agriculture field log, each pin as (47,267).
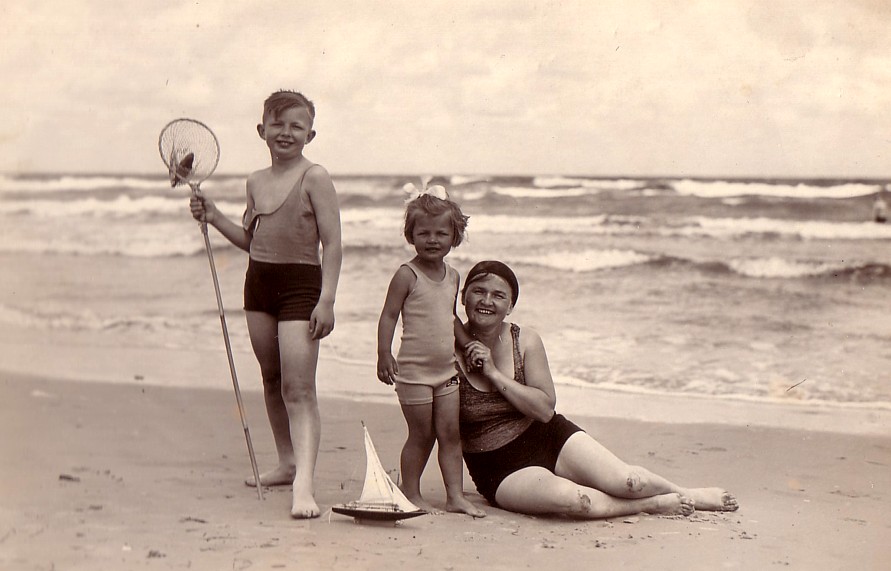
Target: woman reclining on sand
(521,454)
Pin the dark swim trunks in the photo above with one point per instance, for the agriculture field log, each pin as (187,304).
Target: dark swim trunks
(288,292)
(538,445)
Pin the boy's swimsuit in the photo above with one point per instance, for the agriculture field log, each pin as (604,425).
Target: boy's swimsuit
(284,275)
(427,353)
(498,440)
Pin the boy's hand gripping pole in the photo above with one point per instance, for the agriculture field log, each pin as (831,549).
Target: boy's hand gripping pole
(216,287)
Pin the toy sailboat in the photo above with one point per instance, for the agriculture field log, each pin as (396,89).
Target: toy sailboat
(380,500)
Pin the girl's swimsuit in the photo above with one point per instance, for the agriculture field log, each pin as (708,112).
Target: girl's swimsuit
(284,275)
(427,352)
(499,440)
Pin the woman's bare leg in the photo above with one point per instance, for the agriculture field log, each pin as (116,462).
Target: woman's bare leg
(587,462)
(263,330)
(299,358)
(536,490)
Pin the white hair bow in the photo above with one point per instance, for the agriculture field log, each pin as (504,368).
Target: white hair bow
(414,192)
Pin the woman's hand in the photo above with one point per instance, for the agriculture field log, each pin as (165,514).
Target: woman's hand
(203,209)
(479,358)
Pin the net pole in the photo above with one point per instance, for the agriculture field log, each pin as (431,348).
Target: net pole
(216,287)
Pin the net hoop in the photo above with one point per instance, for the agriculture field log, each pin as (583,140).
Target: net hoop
(190,150)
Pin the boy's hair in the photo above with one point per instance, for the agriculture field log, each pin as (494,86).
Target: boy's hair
(285,99)
(426,205)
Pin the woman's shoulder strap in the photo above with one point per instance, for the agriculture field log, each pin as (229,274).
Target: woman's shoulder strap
(519,366)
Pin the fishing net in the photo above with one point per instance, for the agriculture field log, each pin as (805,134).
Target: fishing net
(190,150)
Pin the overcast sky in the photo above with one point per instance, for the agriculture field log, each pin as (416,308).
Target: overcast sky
(636,87)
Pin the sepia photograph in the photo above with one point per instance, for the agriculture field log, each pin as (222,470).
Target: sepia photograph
(635,254)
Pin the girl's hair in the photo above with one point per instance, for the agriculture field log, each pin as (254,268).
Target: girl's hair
(426,205)
(285,99)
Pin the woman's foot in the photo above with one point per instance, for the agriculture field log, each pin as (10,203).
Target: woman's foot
(278,476)
(673,504)
(713,499)
(464,506)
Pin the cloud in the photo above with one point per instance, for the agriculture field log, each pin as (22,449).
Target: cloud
(529,86)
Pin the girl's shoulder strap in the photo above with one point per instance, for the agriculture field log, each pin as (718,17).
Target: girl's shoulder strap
(415,272)
(453,276)
(411,266)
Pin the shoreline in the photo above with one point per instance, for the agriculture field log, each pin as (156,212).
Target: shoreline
(84,357)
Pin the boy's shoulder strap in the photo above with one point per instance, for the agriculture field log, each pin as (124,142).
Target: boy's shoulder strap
(251,215)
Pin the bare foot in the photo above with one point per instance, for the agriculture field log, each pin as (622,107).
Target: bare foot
(673,504)
(463,505)
(278,476)
(713,499)
(304,506)
(422,504)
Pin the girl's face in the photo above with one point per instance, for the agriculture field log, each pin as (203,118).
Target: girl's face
(433,237)
(487,301)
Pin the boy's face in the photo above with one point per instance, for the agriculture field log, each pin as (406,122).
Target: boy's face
(287,133)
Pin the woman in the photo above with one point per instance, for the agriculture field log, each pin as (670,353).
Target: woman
(521,454)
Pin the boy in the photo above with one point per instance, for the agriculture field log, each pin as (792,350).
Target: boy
(289,288)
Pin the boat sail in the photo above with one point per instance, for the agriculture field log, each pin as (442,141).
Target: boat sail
(380,499)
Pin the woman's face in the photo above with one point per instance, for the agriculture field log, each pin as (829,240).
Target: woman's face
(487,301)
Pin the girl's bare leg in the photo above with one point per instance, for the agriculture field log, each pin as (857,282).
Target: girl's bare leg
(299,357)
(263,330)
(587,462)
(536,490)
(451,462)
(416,452)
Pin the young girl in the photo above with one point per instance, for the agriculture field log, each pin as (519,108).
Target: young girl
(425,292)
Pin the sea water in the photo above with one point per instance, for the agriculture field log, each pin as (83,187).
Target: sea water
(766,290)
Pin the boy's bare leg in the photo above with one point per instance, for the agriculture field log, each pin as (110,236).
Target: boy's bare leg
(299,357)
(451,463)
(263,330)
(416,452)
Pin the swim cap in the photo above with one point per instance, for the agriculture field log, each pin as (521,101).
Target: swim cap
(493,267)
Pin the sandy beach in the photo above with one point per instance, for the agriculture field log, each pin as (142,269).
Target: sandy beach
(134,470)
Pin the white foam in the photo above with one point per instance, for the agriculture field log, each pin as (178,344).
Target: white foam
(585,260)
(807,229)
(780,268)
(719,189)
(526,192)
(602,184)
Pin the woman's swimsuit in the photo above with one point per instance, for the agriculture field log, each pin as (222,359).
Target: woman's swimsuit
(498,440)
